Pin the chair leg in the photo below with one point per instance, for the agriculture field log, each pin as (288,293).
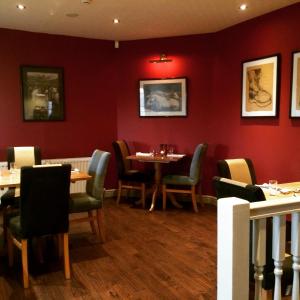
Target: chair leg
(100,222)
(119,191)
(194,199)
(10,249)
(25,263)
(200,196)
(40,250)
(60,244)
(164,197)
(91,217)
(143,197)
(66,255)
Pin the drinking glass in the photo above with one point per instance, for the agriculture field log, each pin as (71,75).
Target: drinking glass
(273,187)
(12,167)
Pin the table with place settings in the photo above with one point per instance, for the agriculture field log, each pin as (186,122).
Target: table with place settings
(290,189)
(157,160)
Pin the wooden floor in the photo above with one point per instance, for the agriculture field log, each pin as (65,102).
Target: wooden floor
(159,255)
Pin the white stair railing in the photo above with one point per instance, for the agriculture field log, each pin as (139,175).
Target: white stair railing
(234,217)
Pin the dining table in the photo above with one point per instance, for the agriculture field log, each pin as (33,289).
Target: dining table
(157,160)
(10,180)
(283,190)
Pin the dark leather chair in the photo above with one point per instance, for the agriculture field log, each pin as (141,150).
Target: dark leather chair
(224,188)
(239,169)
(44,210)
(187,184)
(21,156)
(129,178)
(92,199)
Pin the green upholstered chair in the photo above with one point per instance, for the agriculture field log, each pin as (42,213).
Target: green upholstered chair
(44,210)
(21,156)
(239,169)
(92,199)
(129,178)
(224,188)
(187,184)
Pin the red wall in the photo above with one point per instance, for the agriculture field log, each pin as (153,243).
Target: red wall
(89,76)
(212,64)
(101,91)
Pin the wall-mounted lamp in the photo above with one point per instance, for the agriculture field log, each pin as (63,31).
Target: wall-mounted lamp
(162,59)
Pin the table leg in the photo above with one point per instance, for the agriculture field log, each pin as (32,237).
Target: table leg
(173,200)
(156,184)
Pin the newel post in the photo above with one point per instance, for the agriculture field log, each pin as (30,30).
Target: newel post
(233,249)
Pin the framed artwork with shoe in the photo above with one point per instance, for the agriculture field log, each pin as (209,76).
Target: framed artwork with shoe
(260,93)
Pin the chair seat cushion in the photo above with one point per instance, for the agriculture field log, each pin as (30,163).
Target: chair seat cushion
(9,198)
(178,180)
(137,176)
(15,226)
(80,202)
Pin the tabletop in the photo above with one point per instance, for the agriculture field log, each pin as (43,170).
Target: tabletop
(13,180)
(145,157)
(284,190)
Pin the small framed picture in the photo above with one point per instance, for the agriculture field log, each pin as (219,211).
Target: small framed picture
(42,93)
(295,86)
(163,98)
(260,93)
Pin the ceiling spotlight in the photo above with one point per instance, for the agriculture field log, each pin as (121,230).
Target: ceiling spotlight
(72,15)
(162,59)
(21,6)
(85,1)
(116,21)
(243,6)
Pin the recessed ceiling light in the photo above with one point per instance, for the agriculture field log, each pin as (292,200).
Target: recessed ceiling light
(21,6)
(243,6)
(116,21)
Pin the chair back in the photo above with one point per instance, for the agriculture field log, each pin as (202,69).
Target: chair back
(122,151)
(24,156)
(239,169)
(97,169)
(225,187)
(44,200)
(197,163)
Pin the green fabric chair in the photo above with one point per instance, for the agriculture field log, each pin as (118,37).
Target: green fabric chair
(44,210)
(187,184)
(92,199)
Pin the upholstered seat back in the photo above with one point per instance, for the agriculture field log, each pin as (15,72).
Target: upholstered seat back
(44,200)
(24,156)
(225,187)
(122,151)
(197,163)
(97,169)
(239,169)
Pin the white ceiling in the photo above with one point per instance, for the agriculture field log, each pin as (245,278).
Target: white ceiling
(139,19)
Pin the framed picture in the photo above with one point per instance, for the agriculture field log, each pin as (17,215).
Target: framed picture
(163,98)
(260,96)
(295,87)
(42,93)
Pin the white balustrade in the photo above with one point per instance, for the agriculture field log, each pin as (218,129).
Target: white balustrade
(234,217)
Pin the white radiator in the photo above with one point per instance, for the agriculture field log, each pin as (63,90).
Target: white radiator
(80,163)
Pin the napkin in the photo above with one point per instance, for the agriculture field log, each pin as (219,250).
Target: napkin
(175,155)
(145,154)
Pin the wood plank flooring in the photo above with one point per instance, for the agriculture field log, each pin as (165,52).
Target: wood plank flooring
(159,255)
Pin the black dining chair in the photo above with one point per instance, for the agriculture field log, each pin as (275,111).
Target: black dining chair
(44,210)
(21,156)
(128,177)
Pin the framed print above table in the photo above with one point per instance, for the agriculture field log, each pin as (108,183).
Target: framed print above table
(295,87)
(42,93)
(260,93)
(163,97)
